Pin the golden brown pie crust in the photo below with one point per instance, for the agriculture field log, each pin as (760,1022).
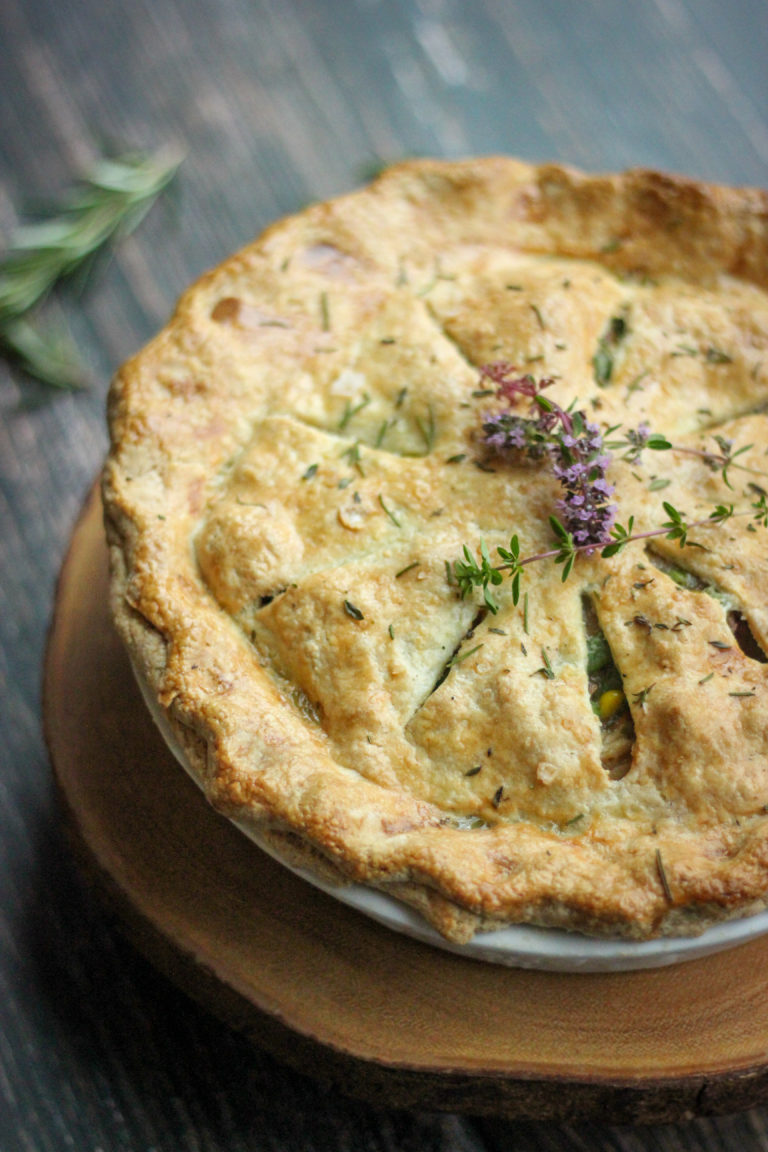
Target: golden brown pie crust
(295,466)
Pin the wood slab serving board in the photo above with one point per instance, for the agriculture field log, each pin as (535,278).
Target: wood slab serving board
(374,1013)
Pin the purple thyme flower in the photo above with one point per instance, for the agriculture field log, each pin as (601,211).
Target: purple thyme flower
(508,433)
(579,463)
(637,438)
(514,435)
(574,445)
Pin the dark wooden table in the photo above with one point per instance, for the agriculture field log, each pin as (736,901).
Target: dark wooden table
(275,103)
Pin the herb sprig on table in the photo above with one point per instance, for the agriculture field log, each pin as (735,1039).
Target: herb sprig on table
(108,204)
(574,448)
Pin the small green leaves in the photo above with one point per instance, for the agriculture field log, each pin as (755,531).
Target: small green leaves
(635,440)
(726,447)
(511,558)
(761,510)
(489,575)
(353,611)
(721,513)
(469,575)
(566,549)
(621,537)
(676,527)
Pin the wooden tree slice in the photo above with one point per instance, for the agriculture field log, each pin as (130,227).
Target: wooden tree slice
(336,995)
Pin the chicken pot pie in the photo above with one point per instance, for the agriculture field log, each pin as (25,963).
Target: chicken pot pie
(313,468)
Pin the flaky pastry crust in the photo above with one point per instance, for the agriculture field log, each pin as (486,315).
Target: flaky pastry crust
(295,467)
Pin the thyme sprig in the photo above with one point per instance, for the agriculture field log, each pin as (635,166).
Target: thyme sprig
(471,573)
(108,204)
(635,440)
(577,453)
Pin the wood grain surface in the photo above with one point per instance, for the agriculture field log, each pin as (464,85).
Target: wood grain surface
(275,103)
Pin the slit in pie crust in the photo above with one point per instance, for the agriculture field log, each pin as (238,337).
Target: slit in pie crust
(296,466)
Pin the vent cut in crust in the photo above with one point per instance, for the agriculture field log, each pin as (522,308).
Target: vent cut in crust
(297,462)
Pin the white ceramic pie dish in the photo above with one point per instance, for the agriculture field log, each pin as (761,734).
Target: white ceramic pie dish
(519,946)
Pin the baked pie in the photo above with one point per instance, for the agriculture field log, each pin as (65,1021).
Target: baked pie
(355,562)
